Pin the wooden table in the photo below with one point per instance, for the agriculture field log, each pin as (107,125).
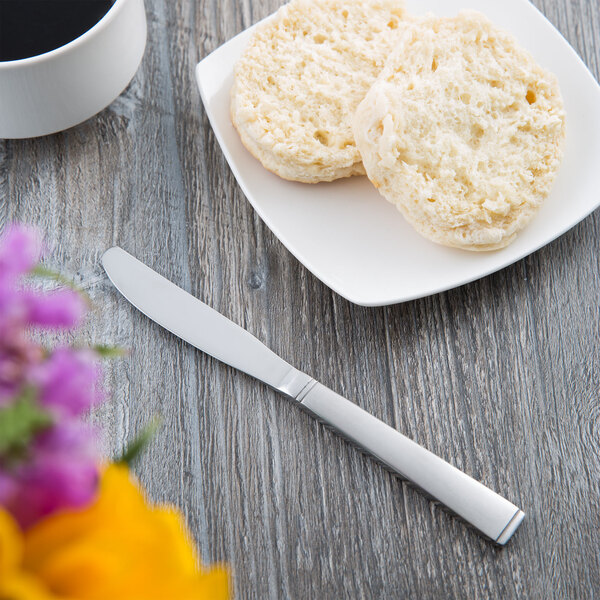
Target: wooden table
(500,377)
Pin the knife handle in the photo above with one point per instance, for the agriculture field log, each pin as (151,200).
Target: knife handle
(494,516)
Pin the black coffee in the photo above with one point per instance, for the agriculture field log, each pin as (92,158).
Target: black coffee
(32,27)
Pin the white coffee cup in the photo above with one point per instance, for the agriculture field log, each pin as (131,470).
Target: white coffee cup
(53,91)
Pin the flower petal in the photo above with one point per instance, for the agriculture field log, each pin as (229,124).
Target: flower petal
(69,381)
(11,543)
(120,548)
(20,251)
(21,586)
(61,473)
(57,309)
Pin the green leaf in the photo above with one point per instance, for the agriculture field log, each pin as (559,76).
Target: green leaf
(46,273)
(109,351)
(20,421)
(139,443)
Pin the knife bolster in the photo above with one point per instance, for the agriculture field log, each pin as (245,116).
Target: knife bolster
(296,384)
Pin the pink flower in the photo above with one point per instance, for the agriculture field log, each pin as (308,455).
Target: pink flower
(68,382)
(61,472)
(58,309)
(20,251)
(17,355)
(21,308)
(51,464)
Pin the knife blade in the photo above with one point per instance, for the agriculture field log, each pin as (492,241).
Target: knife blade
(203,327)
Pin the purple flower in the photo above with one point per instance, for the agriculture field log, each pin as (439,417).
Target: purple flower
(54,310)
(17,355)
(68,382)
(8,488)
(50,464)
(20,251)
(21,308)
(60,472)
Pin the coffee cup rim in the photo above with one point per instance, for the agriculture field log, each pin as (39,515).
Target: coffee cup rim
(38,58)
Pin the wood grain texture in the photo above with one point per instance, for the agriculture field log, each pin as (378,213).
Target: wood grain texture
(501,377)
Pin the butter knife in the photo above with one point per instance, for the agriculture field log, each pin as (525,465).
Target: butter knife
(209,331)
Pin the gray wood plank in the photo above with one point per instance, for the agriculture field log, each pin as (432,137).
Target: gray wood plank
(500,377)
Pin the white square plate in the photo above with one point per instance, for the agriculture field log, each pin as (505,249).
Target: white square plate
(357,243)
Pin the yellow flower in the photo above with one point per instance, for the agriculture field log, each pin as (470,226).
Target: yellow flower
(15,583)
(118,548)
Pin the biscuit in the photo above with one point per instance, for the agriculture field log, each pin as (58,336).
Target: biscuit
(463,131)
(299,81)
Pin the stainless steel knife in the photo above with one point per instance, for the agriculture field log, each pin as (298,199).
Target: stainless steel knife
(206,329)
